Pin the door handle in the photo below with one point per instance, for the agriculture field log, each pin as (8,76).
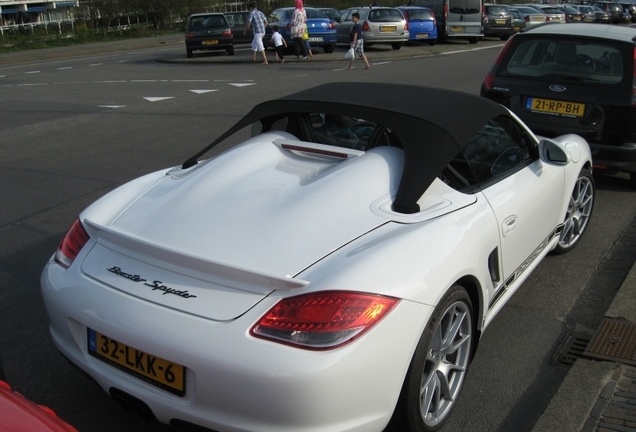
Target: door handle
(508,225)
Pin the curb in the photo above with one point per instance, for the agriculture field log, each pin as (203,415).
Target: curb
(593,390)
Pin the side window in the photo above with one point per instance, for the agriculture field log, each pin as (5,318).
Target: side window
(499,149)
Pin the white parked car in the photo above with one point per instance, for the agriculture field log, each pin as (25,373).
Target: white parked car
(332,273)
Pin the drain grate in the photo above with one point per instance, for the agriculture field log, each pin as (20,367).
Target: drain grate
(614,340)
(571,348)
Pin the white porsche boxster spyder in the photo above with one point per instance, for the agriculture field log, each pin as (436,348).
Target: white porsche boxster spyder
(332,273)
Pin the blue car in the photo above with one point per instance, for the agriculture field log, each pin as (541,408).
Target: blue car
(422,24)
(321,29)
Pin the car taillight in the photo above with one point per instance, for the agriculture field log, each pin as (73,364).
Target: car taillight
(323,320)
(332,25)
(490,77)
(227,33)
(406,26)
(71,245)
(434,18)
(406,15)
(484,18)
(445,11)
(526,18)
(634,79)
(365,27)
(190,35)
(547,18)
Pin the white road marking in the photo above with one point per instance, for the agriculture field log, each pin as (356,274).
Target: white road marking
(31,72)
(155,99)
(65,68)
(242,84)
(381,63)
(143,80)
(203,91)
(111,106)
(473,49)
(34,84)
(193,80)
(95,64)
(98,82)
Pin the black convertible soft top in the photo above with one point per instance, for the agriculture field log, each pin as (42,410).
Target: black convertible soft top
(433,124)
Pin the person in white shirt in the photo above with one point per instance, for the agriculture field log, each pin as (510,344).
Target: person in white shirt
(279,43)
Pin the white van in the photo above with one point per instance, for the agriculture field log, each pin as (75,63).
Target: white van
(456,18)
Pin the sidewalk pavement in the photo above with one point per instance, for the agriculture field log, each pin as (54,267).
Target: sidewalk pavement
(600,395)
(242,53)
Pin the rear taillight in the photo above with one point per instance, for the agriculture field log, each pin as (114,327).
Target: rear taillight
(71,245)
(434,18)
(332,25)
(323,320)
(365,27)
(526,18)
(227,33)
(445,11)
(190,36)
(547,18)
(406,26)
(490,77)
(634,79)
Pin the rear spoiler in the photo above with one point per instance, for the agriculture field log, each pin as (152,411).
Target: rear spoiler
(219,273)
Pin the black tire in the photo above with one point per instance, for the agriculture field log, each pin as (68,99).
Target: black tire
(578,213)
(329,48)
(423,376)
(473,40)
(189,53)
(432,42)
(396,46)
(632,180)
(504,37)
(230,51)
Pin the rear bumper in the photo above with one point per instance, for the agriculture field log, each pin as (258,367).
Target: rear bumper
(614,158)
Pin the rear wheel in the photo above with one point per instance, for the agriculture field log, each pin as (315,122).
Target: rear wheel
(189,53)
(396,46)
(329,48)
(578,213)
(504,37)
(473,40)
(230,51)
(438,368)
(432,42)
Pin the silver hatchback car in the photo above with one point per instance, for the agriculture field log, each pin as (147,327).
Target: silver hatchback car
(379,25)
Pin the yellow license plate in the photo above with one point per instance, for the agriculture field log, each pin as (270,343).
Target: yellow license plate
(210,42)
(162,373)
(421,36)
(498,21)
(457,29)
(537,18)
(388,28)
(516,28)
(570,109)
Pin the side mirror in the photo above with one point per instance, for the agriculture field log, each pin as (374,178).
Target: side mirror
(554,152)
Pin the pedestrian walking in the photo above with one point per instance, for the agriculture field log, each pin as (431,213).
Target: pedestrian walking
(258,21)
(357,41)
(298,27)
(279,43)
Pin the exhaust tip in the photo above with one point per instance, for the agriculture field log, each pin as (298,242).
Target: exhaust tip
(131,403)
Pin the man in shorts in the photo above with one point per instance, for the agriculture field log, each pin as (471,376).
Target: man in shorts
(357,41)
(258,21)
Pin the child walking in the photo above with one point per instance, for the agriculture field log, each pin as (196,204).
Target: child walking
(357,41)
(279,43)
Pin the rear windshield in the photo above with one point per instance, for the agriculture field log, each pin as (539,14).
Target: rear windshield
(201,22)
(311,13)
(498,10)
(464,7)
(385,15)
(568,61)
(418,14)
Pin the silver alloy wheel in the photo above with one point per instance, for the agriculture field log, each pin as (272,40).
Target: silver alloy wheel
(446,364)
(578,214)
